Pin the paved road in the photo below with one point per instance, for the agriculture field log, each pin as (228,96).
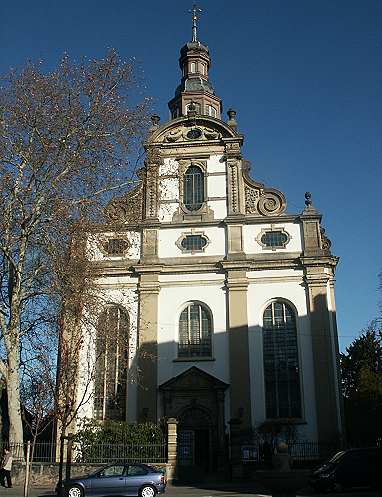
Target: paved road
(219,490)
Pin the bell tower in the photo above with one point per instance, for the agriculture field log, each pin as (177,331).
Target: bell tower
(195,89)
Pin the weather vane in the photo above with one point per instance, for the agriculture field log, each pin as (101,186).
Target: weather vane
(194,12)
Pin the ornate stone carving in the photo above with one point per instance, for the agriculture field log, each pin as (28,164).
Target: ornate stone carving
(234,186)
(251,199)
(270,204)
(259,200)
(232,149)
(184,133)
(325,242)
(128,208)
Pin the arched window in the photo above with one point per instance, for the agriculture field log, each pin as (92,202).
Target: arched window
(281,364)
(195,329)
(111,351)
(193,195)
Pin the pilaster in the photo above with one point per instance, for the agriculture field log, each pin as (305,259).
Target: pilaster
(240,391)
(172,448)
(149,245)
(148,289)
(324,349)
(236,195)
(152,163)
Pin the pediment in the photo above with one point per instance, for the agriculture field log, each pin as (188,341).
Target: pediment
(192,130)
(193,379)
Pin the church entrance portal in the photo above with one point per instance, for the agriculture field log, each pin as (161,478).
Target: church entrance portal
(196,399)
(195,440)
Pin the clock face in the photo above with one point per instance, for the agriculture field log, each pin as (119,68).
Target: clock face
(194,134)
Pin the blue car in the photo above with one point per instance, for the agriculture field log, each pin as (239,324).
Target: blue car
(120,479)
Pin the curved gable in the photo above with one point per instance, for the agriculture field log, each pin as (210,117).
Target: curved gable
(191,130)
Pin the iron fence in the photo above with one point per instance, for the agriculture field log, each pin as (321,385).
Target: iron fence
(47,452)
(301,451)
(105,453)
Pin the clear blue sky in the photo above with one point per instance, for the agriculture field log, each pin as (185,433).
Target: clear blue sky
(304,76)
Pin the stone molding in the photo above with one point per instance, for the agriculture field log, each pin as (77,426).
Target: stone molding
(182,214)
(184,234)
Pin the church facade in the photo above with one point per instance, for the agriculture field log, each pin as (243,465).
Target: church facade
(226,299)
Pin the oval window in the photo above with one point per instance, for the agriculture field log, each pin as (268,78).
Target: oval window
(274,239)
(193,243)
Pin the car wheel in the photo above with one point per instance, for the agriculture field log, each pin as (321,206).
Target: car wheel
(75,491)
(147,491)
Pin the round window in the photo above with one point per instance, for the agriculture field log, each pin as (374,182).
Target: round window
(194,134)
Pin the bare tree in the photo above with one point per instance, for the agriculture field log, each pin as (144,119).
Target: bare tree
(65,140)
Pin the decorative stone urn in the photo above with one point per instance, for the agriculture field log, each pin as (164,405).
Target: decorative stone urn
(282,481)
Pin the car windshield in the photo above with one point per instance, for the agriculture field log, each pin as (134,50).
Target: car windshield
(336,457)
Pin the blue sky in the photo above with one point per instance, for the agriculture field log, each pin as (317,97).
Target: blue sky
(304,76)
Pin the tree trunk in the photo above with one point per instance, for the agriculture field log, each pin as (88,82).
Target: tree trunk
(13,393)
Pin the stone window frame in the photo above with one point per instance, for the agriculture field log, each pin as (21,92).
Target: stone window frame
(178,243)
(272,229)
(183,167)
(105,239)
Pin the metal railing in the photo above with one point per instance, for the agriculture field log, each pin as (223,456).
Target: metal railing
(47,452)
(105,453)
(301,451)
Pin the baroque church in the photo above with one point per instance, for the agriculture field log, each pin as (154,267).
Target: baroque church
(227,298)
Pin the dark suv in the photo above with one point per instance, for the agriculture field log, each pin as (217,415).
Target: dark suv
(349,468)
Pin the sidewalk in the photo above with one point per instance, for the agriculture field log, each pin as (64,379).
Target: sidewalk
(229,489)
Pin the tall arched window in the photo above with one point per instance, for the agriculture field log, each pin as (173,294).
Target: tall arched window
(195,329)
(111,348)
(193,195)
(281,364)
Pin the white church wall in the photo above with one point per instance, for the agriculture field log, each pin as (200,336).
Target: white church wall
(216,164)
(252,231)
(219,208)
(168,237)
(168,189)
(216,185)
(172,300)
(112,292)
(260,294)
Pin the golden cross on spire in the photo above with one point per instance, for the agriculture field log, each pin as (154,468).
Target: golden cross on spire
(194,12)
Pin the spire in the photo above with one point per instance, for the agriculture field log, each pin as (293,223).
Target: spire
(194,11)
(195,86)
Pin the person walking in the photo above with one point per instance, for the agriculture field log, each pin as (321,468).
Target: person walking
(6,468)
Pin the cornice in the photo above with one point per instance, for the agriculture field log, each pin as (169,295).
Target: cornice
(248,219)
(322,260)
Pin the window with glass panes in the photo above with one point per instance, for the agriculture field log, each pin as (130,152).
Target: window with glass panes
(116,246)
(111,350)
(195,332)
(274,239)
(193,195)
(193,243)
(281,363)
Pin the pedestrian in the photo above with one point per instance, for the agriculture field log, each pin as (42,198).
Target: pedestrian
(6,468)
